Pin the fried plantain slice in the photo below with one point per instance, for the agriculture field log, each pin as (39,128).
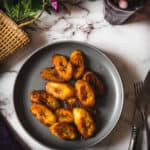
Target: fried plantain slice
(63,130)
(85,93)
(71,102)
(43,114)
(51,74)
(84,122)
(38,96)
(62,91)
(64,115)
(77,60)
(62,66)
(95,83)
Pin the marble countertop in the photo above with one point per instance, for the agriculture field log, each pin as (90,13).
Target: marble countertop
(127,45)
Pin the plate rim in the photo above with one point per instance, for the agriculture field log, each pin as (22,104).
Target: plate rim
(98,50)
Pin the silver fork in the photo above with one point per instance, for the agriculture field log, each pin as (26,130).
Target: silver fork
(135,126)
(138,92)
(140,105)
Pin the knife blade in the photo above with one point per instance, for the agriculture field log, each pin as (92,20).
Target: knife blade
(147,106)
(147,90)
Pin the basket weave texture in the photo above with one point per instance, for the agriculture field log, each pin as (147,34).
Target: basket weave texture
(11,36)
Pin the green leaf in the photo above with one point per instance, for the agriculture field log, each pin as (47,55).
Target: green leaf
(25,9)
(18,9)
(37,4)
(33,13)
(7,5)
(48,7)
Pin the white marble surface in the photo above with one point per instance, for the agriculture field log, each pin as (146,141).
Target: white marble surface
(127,45)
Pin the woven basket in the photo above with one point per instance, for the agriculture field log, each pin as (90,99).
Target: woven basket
(12,36)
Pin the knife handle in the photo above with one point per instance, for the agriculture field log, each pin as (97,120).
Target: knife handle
(133,138)
(143,138)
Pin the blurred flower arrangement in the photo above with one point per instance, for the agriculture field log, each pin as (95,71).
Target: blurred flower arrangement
(23,10)
(54,4)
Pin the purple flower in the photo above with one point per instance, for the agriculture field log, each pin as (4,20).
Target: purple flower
(54,4)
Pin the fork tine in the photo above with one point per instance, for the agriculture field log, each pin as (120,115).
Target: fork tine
(138,88)
(135,91)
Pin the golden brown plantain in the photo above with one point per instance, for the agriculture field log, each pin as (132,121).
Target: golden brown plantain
(51,74)
(64,115)
(85,93)
(83,122)
(71,102)
(63,130)
(62,91)
(43,114)
(62,66)
(44,97)
(77,60)
(95,83)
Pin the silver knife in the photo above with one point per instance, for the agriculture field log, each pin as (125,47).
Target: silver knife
(147,90)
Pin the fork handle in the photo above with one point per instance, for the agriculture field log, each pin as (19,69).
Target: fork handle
(142,140)
(133,138)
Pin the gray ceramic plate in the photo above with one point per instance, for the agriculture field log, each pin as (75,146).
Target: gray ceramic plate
(109,107)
